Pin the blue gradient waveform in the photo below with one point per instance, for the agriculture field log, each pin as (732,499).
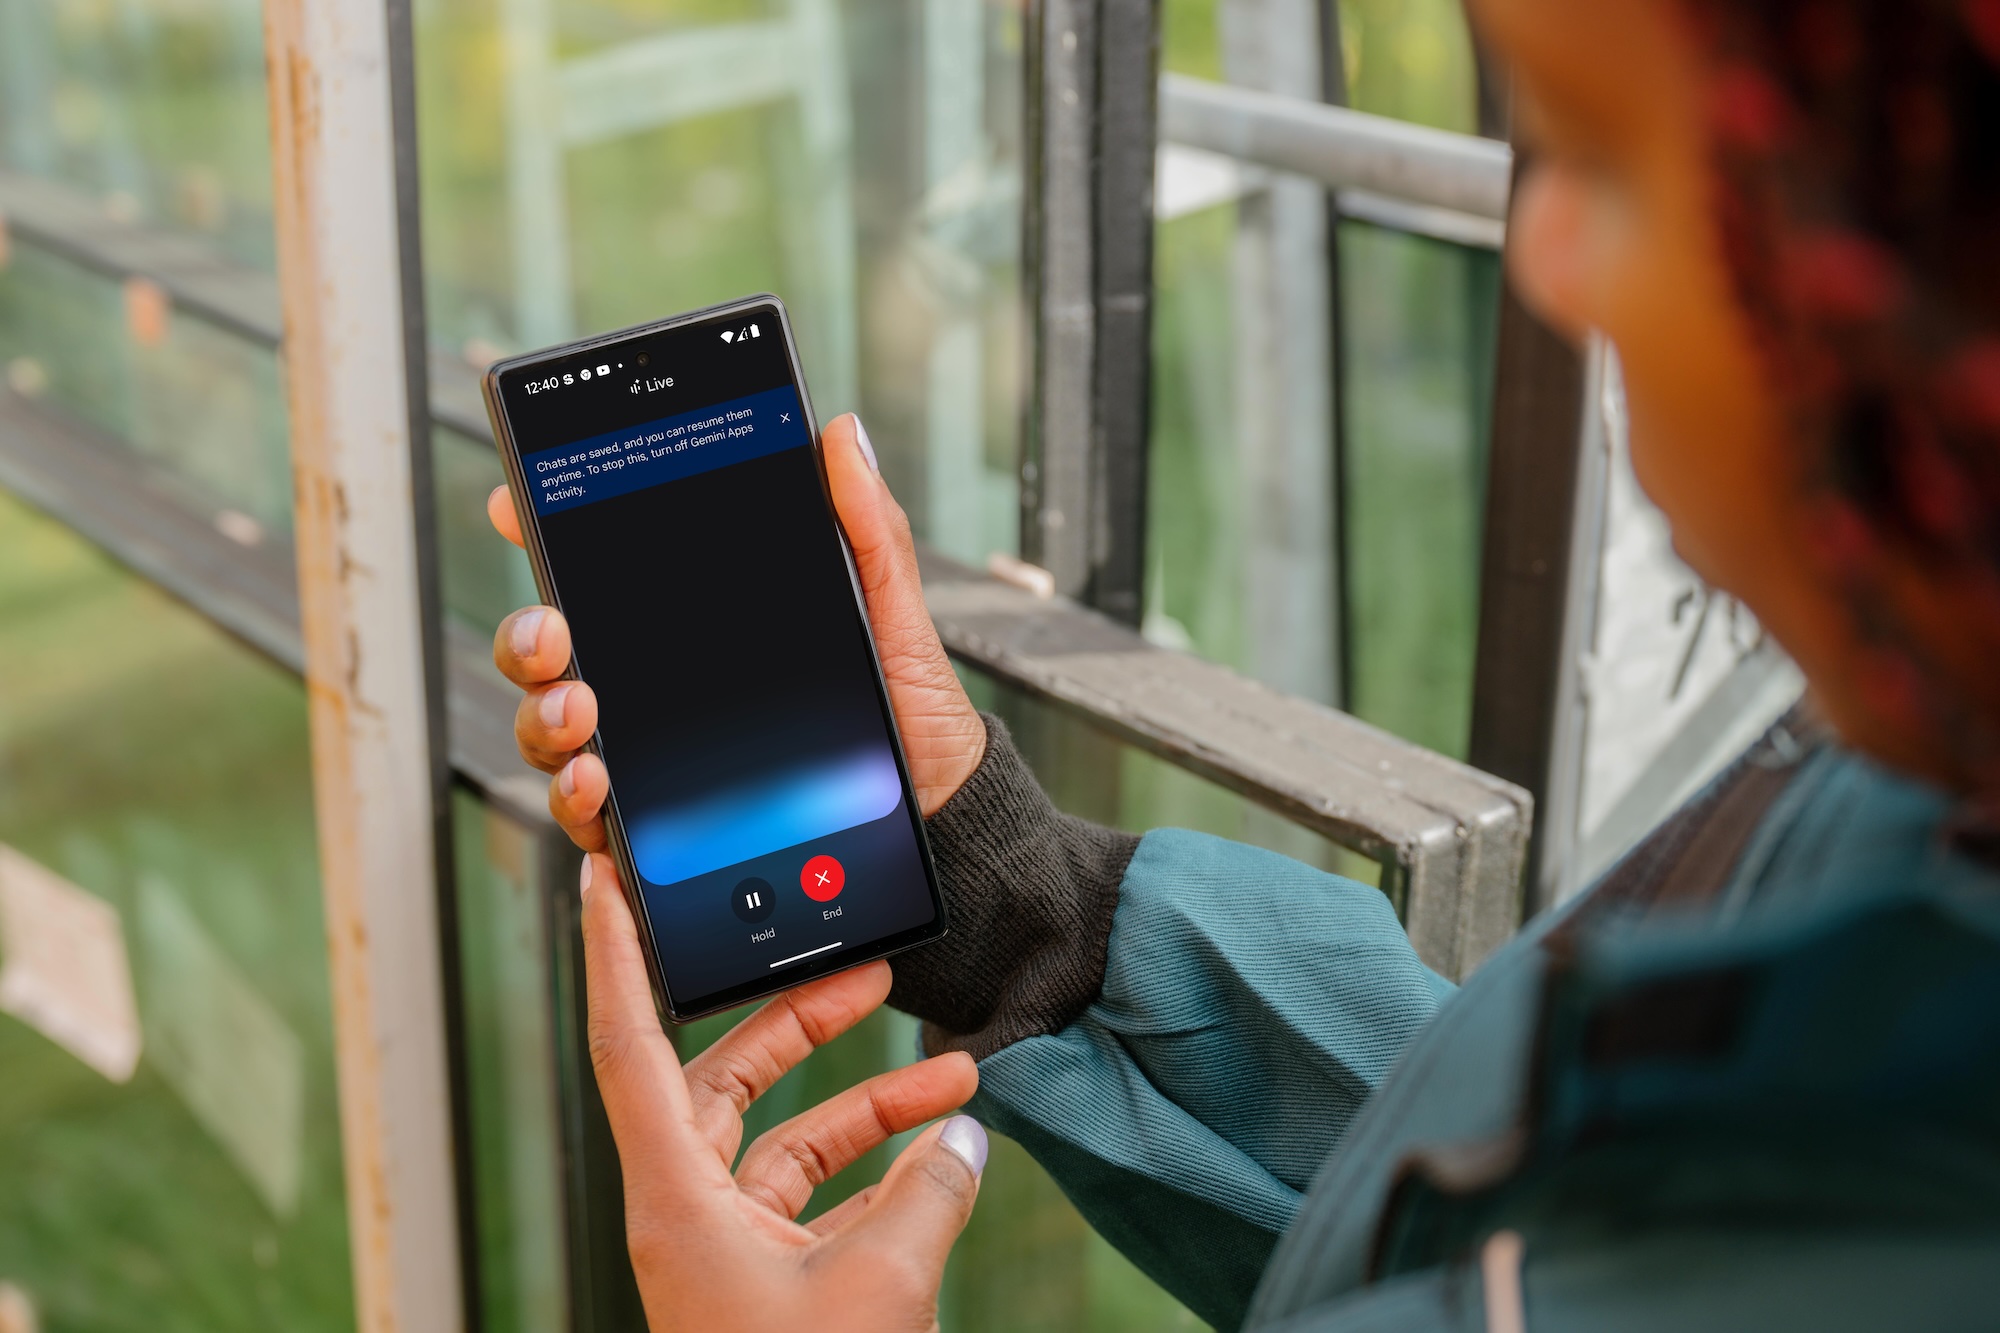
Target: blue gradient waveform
(755,818)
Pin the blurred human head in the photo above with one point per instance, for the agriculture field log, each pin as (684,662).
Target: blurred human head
(1781,212)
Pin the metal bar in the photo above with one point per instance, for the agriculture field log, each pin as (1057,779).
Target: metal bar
(1194,178)
(157,526)
(1457,837)
(1440,224)
(1128,64)
(603,1295)
(368,649)
(145,520)
(1338,147)
(1286,440)
(65,221)
(1524,684)
(1057,267)
(430,628)
(1559,799)
(1334,92)
(1088,265)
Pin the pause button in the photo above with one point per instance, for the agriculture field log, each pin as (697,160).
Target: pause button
(752,900)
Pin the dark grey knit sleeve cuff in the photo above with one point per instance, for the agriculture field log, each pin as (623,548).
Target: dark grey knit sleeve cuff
(1031,893)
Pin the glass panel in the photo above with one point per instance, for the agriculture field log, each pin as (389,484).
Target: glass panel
(1342,572)
(590,164)
(1411,59)
(506,957)
(200,403)
(152,115)
(155,108)
(1421,317)
(155,795)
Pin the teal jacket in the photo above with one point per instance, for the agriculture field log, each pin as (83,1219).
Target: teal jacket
(1773,1105)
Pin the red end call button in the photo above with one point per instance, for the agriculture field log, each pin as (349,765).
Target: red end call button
(823,879)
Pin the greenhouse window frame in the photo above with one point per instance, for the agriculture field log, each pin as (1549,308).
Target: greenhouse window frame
(1452,840)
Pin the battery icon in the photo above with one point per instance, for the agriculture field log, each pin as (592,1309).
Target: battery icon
(754,333)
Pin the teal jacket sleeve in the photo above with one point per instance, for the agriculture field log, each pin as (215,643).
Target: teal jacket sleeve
(1250,1005)
(1179,1028)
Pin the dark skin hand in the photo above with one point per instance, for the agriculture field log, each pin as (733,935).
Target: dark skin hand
(720,1250)
(943,736)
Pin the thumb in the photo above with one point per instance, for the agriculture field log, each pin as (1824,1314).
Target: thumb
(923,1203)
(943,736)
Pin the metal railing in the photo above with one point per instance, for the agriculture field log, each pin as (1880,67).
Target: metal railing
(1340,148)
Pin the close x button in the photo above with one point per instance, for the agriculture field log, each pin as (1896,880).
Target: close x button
(823,878)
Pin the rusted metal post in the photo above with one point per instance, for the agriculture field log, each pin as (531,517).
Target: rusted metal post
(372,656)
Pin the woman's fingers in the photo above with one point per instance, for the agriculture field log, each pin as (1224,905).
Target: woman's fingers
(784,1166)
(576,799)
(838,1216)
(552,723)
(920,1207)
(645,1095)
(500,511)
(743,1064)
(556,716)
(942,733)
(554,720)
(532,646)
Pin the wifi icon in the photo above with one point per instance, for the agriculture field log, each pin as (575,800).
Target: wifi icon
(728,335)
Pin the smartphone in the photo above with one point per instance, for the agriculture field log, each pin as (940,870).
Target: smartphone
(676,510)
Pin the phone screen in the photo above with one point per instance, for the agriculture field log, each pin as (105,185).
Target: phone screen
(688,537)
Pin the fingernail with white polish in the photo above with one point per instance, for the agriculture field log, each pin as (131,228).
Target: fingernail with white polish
(583,882)
(867,445)
(966,1137)
(527,632)
(566,780)
(552,705)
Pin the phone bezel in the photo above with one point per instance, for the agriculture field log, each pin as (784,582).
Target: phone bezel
(620,846)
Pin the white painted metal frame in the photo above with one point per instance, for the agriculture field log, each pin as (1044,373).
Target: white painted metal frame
(341,266)
(1341,148)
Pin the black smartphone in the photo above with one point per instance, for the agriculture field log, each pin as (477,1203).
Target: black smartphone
(674,499)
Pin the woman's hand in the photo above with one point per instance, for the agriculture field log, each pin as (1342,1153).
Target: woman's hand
(721,1253)
(943,736)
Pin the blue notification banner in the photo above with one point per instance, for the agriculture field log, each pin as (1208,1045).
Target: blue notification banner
(621,461)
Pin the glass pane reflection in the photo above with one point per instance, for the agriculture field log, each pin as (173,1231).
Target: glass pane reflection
(591,164)
(162,769)
(1322,538)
